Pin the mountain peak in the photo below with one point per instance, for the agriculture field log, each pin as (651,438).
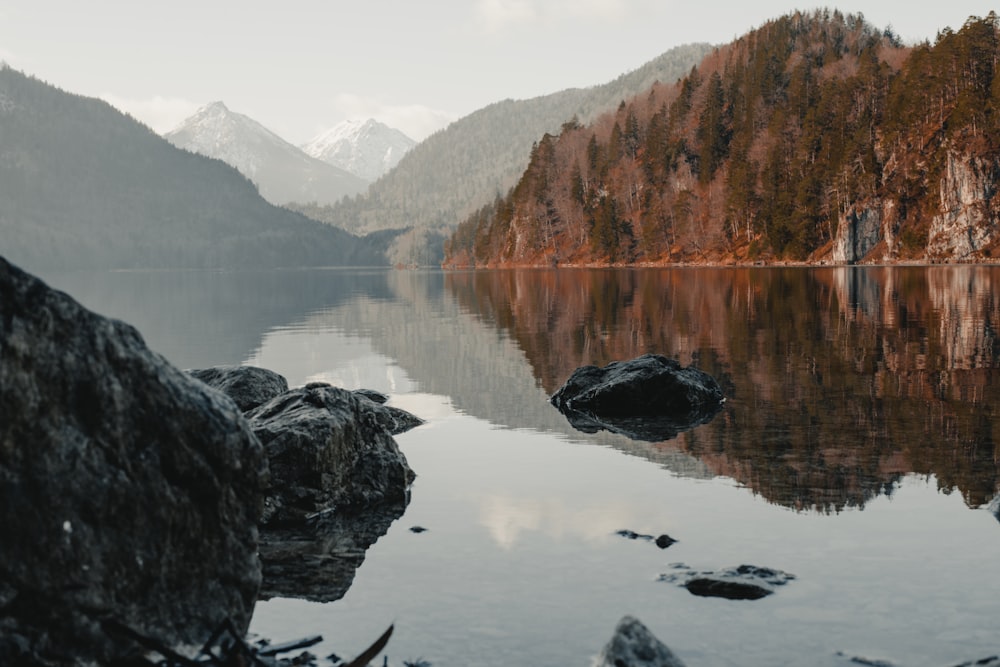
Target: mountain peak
(365,147)
(283,172)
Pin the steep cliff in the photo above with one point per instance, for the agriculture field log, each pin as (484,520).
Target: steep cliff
(816,138)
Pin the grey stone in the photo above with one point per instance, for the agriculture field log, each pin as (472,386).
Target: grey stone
(744,582)
(128,490)
(633,645)
(372,395)
(248,386)
(329,451)
(649,398)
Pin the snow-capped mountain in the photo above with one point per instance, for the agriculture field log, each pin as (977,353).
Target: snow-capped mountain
(282,172)
(366,148)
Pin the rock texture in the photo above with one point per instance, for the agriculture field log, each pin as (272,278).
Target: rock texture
(965,223)
(744,582)
(648,398)
(248,386)
(338,477)
(128,490)
(859,231)
(329,450)
(633,645)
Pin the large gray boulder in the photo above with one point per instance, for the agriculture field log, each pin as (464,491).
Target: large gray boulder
(649,398)
(330,450)
(633,645)
(129,492)
(248,386)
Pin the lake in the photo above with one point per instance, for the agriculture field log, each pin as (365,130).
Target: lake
(856,450)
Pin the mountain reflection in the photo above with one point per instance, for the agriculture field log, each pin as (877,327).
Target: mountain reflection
(840,380)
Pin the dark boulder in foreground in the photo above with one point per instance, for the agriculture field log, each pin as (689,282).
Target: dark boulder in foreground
(339,481)
(330,450)
(744,582)
(338,478)
(248,386)
(128,490)
(649,398)
(633,645)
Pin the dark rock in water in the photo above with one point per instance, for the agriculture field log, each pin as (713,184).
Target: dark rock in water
(633,645)
(732,589)
(317,561)
(745,582)
(248,386)
(649,398)
(402,420)
(329,451)
(664,541)
(128,490)
(372,395)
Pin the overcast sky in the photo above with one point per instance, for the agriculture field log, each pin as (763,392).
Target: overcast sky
(301,66)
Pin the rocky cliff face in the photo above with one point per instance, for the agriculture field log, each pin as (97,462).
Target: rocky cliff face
(963,227)
(858,232)
(966,222)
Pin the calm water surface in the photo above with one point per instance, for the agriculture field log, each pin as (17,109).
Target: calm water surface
(856,451)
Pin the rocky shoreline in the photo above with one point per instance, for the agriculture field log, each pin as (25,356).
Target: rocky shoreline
(137,496)
(146,503)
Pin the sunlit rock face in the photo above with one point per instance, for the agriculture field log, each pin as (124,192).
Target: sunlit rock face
(965,223)
(129,491)
(858,232)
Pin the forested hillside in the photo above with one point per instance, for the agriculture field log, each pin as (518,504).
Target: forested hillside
(816,137)
(83,186)
(455,171)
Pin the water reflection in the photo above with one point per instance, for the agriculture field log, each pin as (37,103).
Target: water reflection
(839,380)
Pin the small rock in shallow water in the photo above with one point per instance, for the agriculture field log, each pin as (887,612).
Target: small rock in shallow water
(664,541)
(745,582)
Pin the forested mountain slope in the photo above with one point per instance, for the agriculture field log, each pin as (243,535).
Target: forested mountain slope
(455,171)
(813,138)
(84,186)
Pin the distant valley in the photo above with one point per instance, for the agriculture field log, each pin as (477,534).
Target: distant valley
(82,186)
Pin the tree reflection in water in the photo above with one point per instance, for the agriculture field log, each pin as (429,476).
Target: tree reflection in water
(839,380)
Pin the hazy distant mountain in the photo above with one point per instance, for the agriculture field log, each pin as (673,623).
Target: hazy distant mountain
(283,172)
(84,186)
(459,169)
(365,148)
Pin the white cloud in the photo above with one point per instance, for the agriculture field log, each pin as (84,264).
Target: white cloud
(494,15)
(497,14)
(162,114)
(414,120)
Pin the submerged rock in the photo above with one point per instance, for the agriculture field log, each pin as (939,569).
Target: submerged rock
(744,582)
(128,490)
(329,451)
(317,561)
(663,541)
(248,386)
(649,398)
(633,645)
